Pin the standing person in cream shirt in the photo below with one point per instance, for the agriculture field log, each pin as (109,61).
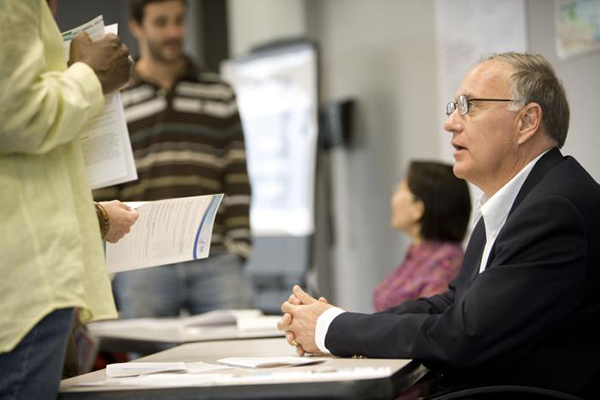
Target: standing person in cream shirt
(51,259)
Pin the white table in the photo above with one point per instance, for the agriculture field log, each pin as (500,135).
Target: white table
(400,375)
(150,335)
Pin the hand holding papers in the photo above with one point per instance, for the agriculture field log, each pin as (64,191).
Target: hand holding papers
(105,139)
(167,231)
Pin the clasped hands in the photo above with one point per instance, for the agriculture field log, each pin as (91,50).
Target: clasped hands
(299,320)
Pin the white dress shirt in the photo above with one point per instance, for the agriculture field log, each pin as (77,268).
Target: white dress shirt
(494,211)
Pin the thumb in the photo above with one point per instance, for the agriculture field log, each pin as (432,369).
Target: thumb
(83,36)
(302,295)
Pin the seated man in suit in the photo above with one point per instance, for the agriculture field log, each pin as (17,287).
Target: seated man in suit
(524,308)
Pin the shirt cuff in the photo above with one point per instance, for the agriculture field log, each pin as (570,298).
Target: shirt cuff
(323,323)
(90,85)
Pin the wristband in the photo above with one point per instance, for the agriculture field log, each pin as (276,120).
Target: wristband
(102,219)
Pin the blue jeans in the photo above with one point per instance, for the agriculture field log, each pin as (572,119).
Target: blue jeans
(217,282)
(33,369)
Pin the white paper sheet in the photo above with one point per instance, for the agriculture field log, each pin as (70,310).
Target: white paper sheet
(105,138)
(226,378)
(220,318)
(261,323)
(270,362)
(120,370)
(167,231)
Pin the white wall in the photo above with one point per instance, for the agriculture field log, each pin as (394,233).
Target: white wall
(581,78)
(254,22)
(382,53)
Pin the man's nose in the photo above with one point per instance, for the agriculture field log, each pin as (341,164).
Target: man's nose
(453,123)
(175,31)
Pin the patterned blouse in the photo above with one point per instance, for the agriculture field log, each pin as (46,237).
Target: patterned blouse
(426,270)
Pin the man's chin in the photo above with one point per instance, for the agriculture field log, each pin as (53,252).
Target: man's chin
(171,59)
(459,170)
(165,57)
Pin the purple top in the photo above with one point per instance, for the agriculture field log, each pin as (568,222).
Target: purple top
(426,270)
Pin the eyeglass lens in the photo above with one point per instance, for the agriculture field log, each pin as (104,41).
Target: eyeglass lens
(462,104)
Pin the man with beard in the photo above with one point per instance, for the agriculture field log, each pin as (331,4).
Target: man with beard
(187,140)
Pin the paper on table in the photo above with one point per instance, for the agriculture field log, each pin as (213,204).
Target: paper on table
(140,368)
(166,232)
(105,138)
(270,362)
(220,318)
(120,370)
(260,323)
(237,378)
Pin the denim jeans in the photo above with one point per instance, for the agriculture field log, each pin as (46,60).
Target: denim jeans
(33,369)
(217,282)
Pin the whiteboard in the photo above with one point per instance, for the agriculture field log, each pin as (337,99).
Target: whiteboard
(277,99)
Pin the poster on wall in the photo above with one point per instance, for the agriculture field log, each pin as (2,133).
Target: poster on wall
(277,99)
(466,31)
(577,24)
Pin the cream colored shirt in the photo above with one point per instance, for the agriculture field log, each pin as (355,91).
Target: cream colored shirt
(50,247)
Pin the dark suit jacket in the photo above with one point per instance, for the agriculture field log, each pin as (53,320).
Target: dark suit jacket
(531,318)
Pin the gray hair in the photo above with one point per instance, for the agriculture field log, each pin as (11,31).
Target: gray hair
(534,81)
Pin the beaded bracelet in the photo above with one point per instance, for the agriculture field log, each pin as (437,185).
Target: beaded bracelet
(102,219)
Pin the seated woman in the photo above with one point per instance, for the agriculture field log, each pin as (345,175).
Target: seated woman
(432,206)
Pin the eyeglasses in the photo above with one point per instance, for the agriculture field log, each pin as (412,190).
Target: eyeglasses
(463,104)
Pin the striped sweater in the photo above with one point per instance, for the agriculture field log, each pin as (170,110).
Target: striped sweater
(188,142)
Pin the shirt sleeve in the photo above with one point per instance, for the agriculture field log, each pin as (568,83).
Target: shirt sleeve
(43,104)
(323,323)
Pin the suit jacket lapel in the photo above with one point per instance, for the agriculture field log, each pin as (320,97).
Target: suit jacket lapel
(548,161)
(474,251)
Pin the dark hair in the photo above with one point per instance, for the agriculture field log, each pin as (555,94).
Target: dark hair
(136,8)
(445,197)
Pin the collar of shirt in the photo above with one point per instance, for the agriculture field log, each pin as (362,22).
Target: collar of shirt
(495,209)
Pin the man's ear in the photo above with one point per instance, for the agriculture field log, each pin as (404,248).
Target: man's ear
(135,28)
(528,122)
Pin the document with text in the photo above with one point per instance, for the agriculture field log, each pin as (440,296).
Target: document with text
(166,232)
(105,138)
